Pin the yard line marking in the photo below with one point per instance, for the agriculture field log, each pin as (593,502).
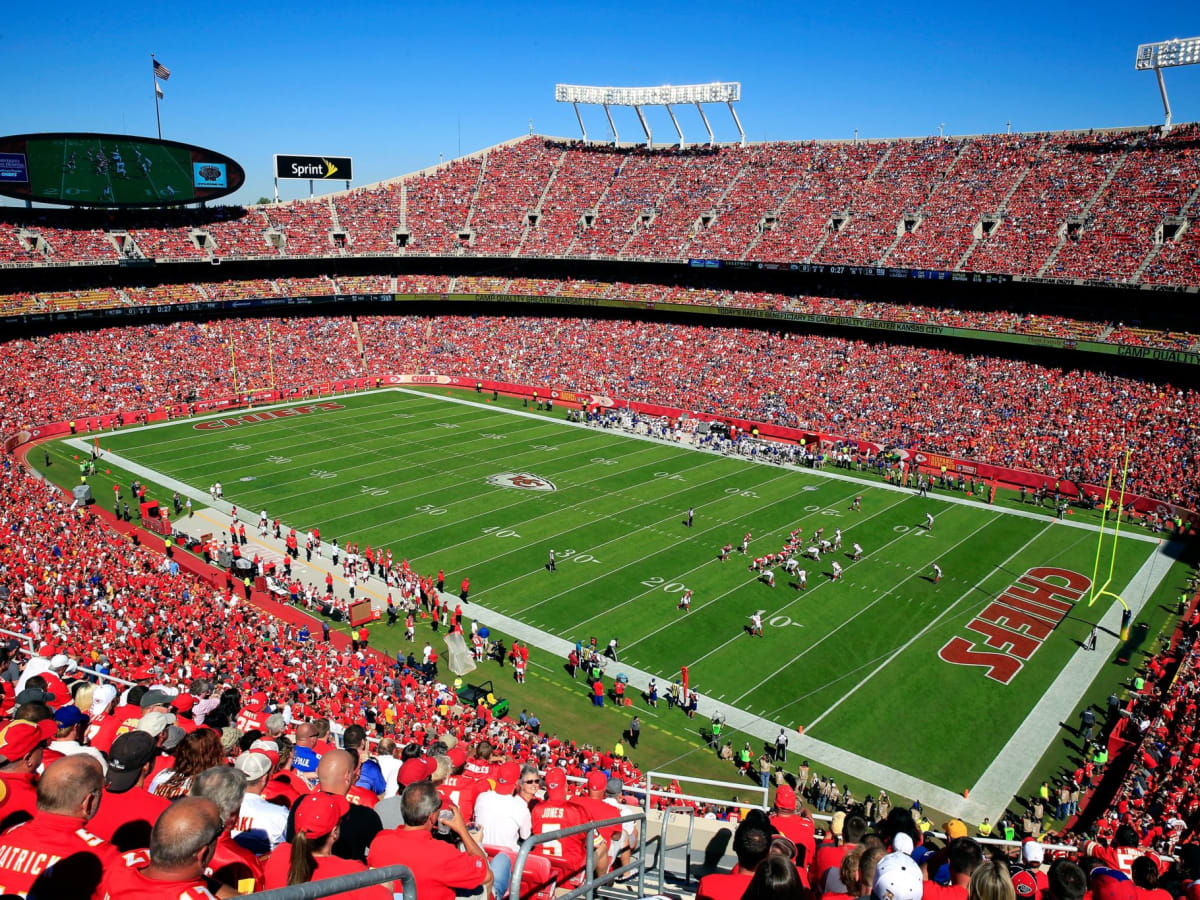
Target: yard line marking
(847,621)
(945,612)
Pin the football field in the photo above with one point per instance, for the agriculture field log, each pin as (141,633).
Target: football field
(928,677)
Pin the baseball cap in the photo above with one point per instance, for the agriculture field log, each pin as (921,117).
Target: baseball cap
(69,716)
(21,737)
(269,749)
(556,783)
(184,702)
(1111,884)
(103,695)
(785,797)
(34,695)
(1025,884)
(129,753)
(253,765)
(458,756)
(59,660)
(412,771)
(902,843)
(156,698)
(507,777)
(955,829)
(317,814)
(837,823)
(155,723)
(615,787)
(897,877)
(597,780)
(142,673)
(175,734)
(1032,851)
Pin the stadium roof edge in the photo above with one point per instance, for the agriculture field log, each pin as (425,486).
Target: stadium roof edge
(434,169)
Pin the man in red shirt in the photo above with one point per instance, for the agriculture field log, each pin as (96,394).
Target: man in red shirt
(594,809)
(438,867)
(181,845)
(965,856)
(751,843)
(458,787)
(21,746)
(569,855)
(128,811)
(794,825)
(828,857)
(54,855)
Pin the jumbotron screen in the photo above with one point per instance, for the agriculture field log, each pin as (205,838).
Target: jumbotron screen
(84,169)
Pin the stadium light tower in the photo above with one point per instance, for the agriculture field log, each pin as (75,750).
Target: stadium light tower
(1167,55)
(727,92)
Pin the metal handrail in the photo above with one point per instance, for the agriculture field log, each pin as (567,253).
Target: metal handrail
(686,845)
(592,881)
(329,886)
(649,791)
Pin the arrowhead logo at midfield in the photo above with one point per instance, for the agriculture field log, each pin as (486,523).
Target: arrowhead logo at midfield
(522,481)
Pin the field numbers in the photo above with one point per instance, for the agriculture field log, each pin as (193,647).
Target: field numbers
(372,491)
(671,587)
(322,473)
(669,476)
(497,531)
(546,448)
(908,529)
(242,448)
(402,415)
(445,424)
(575,556)
(431,509)
(279,460)
(601,461)
(740,493)
(493,437)
(780,621)
(812,508)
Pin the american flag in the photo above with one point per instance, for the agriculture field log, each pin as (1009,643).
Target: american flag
(160,71)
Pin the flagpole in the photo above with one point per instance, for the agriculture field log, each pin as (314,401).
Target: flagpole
(154,78)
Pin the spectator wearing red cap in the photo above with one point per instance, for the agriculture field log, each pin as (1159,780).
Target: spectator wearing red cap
(181,846)
(54,855)
(21,746)
(795,824)
(233,866)
(567,856)
(594,809)
(182,706)
(503,816)
(128,811)
(310,857)
(460,787)
(336,774)
(439,868)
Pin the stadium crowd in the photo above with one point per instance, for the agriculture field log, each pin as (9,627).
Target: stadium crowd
(1095,205)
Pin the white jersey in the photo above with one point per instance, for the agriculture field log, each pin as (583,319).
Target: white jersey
(837,569)
(266,822)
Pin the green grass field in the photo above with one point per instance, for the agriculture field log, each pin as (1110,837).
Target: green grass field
(169,177)
(855,662)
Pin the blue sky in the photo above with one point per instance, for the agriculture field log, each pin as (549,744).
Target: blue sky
(398,85)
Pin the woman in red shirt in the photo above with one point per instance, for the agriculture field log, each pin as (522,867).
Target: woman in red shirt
(309,856)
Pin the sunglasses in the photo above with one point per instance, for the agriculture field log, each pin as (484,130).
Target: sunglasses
(532,781)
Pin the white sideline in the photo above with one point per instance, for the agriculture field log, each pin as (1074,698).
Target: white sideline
(990,795)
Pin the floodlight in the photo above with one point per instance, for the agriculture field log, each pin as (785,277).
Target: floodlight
(1167,55)
(727,92)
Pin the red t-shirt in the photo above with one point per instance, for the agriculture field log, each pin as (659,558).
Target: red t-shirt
(437,867)
(275,873)
(568,856)
(57,855)
(20,798)
(597,811)
(799,830)
(125,819)
(116,725)
(461,790)
(828,856)
(723,887)
(931,890)
(232,864)
(126,882)
(1122,857)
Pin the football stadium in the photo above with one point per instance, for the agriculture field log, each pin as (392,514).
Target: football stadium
(823,509)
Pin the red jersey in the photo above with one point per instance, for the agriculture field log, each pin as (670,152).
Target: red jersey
(125,819)
(799,830)
(931,890)
(439,869)
(723,887)
(276,871)
(20,798)
(1122,857)
(234,865)
(461,790)
(568,856)
(123,719)
(125,881)
(597,811)
(30,855)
